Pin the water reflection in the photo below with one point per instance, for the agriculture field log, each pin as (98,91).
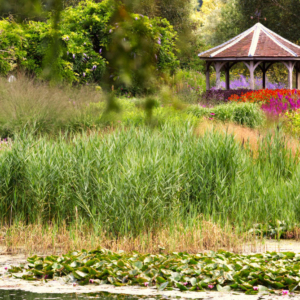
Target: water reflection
(21,295)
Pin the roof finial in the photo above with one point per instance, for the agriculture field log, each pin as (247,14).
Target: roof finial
(258,16)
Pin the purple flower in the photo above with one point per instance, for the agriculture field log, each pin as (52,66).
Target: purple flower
(285,292)
(159,41)
(136,18)
(67,52)
(110,30)
(73,56)
(100,51)
(84,55)
(83,74)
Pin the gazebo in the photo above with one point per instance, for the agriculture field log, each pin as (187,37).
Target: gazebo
(256,47)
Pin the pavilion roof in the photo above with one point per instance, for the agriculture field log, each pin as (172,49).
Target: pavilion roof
(256,42)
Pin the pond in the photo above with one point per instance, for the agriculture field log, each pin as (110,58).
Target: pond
(22,295)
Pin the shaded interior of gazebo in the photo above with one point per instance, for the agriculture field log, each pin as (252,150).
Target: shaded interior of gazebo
(257,47)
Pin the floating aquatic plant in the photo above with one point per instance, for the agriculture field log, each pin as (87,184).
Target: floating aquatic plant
(221,271)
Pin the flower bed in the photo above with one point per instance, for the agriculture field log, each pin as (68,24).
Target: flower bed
(275,102)
(222,95)
(222,271)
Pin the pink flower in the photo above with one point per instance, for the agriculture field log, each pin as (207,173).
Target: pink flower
(74,284)
(255,288)
(91,281)
(5,268)
(210,118)
(146,284)
(210,286)
(285,292)
(185,283)
(212,114)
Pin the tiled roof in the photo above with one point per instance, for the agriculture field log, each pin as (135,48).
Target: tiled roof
(256,42)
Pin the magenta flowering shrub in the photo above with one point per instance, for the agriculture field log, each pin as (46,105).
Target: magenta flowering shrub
(281,104)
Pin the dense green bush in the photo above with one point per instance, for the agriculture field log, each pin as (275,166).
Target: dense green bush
(247,114)
(85,34)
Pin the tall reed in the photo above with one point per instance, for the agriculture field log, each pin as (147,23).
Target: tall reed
(133,181)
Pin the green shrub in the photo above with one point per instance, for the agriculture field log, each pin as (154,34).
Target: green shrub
(292,123)
(86,32)
(247,114)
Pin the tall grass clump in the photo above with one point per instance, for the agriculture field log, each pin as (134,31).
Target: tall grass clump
(44,109)
(134,180)
(247,114)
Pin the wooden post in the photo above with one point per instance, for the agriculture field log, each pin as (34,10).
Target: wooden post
(207,76)
(297,76)
(227,75)
(290,66)
(252,66)
(218,67)
(264,75)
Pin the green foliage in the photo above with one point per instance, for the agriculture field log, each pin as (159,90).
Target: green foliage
(222,271)
(247,114)
(85,37)
(292,123)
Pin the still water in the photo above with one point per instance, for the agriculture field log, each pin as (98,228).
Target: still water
(21,295)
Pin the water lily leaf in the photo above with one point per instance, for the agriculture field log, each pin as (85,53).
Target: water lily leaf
(68,268)
(74,264)
(278,285)
(80,274)
(91,262)
(38,264)
(28,277)
(176,276)
(193,281)
(37,272)
(181,286)
(133,272)
(163,286)
(148,259)
(138,264)
(57,266)
(159,279)
(251,292)
(223,289)
(14,269)
(120,264)
(262,288)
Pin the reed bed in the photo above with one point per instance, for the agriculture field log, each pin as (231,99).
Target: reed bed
(141,180)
